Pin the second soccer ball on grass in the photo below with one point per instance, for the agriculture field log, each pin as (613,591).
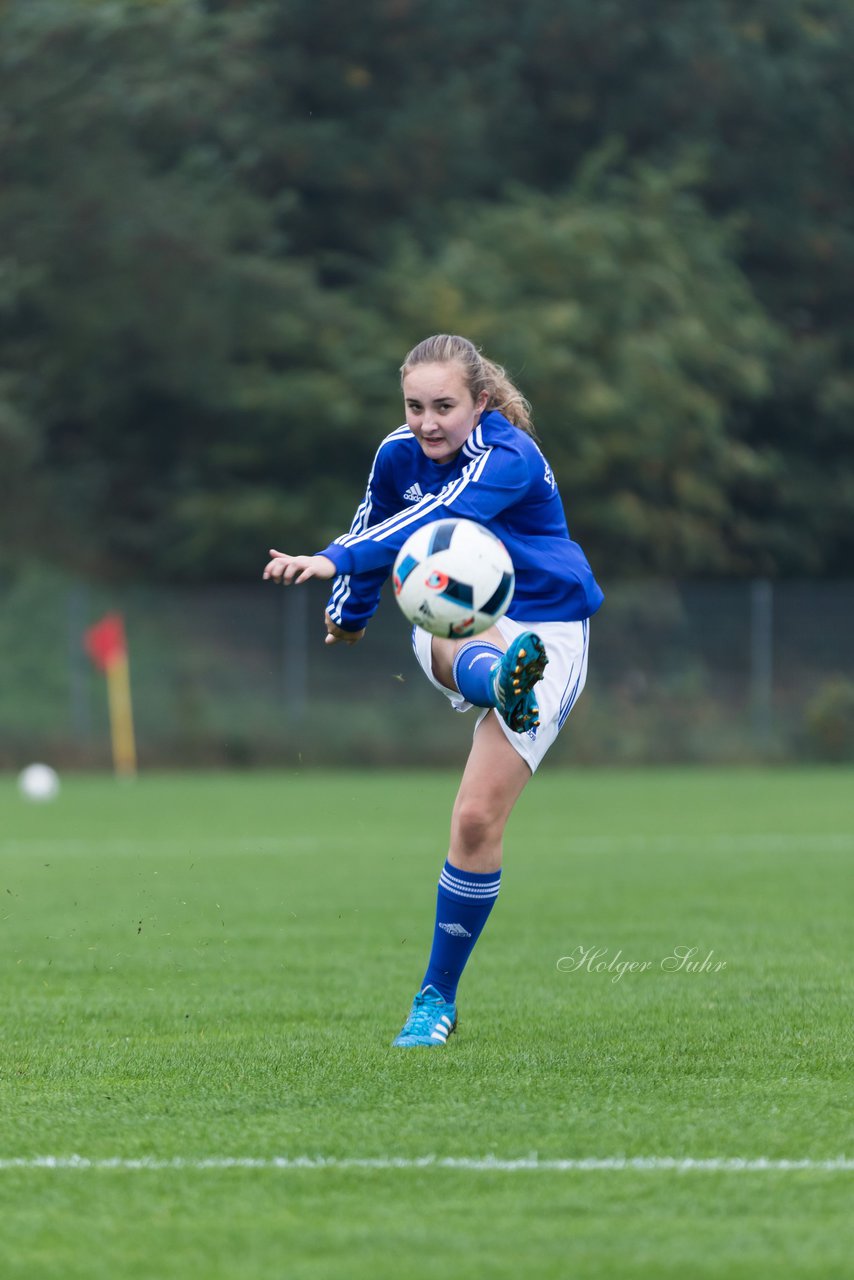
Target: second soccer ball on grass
(453,578)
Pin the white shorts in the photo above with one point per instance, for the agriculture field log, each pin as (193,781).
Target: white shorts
(558,691)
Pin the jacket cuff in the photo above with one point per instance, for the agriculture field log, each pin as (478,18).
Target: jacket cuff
(340,556)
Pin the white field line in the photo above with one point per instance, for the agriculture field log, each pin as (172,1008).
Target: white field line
(758,842)
(476,1164)
(589,846)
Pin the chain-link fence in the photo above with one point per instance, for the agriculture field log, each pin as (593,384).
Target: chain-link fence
(240,676)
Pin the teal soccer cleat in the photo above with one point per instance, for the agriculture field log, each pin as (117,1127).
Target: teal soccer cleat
(515,676)
(431,1020)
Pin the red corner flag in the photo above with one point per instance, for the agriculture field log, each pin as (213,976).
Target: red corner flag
(107,647)
(105,642)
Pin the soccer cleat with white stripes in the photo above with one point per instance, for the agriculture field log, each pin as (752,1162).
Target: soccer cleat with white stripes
(431,1020)
(515,676)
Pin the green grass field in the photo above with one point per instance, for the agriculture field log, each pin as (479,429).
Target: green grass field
(213,967)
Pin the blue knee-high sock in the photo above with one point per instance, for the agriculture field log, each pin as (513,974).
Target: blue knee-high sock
(473,668)
(464,902)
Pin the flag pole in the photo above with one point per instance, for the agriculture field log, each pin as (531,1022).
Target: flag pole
(106,645)
(121,717)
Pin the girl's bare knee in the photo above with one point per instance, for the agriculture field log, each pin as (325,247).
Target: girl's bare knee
(475,826)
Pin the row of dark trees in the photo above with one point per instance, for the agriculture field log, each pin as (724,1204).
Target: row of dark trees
(222,225)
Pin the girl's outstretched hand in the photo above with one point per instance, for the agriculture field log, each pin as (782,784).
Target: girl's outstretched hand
(295,569)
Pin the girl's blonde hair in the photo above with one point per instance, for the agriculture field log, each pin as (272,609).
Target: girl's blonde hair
(480,375)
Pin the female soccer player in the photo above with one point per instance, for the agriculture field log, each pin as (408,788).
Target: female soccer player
(467,450)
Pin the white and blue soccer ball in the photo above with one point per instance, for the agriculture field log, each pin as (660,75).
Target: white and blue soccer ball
(453,578)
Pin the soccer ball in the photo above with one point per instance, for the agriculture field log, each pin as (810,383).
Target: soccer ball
(38,782)
(453,578)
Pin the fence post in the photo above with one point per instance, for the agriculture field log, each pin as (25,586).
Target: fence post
(295,652)
(762,660)
(77,614)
